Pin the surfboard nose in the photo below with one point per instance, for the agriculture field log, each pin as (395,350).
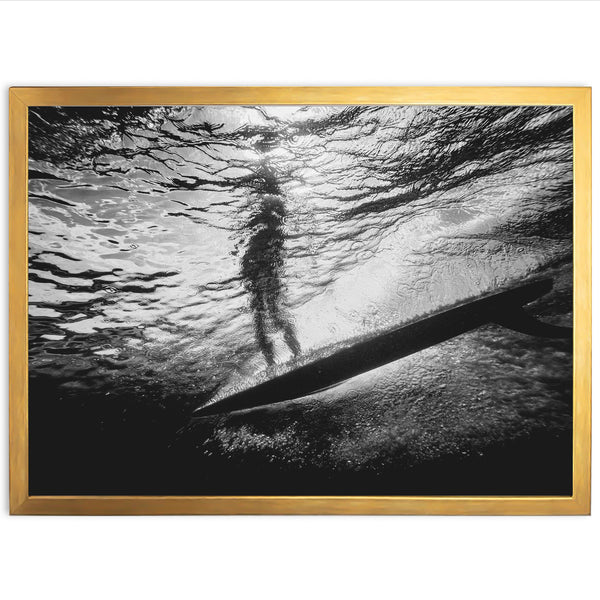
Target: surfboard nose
(207,410)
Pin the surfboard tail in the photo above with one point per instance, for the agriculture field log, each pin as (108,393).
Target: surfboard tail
(518,320)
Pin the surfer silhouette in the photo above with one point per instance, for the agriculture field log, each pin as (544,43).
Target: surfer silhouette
(262,264)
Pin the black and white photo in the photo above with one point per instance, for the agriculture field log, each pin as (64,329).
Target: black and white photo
(300,300)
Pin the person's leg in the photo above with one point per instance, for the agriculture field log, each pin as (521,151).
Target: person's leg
(289,335)
(260,330)
(285,325)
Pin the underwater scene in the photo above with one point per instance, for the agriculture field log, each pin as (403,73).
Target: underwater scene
(300,300)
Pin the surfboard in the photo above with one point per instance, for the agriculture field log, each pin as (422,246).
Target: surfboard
(504,308)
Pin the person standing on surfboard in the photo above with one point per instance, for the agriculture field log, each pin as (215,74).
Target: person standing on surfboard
(262,262)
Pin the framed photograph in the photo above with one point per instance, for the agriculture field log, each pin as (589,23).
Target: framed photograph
(300,300)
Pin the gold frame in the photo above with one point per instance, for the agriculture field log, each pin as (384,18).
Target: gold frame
(20,500)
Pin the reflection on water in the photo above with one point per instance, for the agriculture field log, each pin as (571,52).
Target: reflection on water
(177,251)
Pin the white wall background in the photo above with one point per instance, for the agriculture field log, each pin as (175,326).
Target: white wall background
(338,43)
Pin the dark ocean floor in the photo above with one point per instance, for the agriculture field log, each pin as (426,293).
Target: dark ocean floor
(74,450)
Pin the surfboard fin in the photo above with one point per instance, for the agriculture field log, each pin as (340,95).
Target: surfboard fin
(518,320)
